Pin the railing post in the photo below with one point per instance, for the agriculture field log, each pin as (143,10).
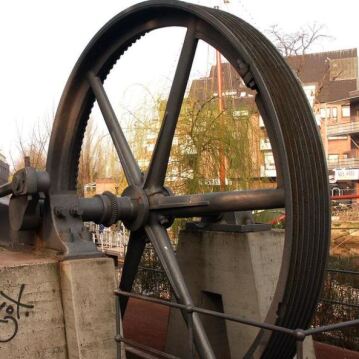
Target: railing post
(189,310)
(300,336)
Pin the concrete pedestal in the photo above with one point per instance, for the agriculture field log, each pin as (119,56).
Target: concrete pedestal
(57,310)
(89,307)
(235,273)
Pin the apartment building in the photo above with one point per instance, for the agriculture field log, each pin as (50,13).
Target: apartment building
(330,81)
(239,105)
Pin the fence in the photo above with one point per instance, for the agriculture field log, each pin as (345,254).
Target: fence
(339,301)
(145,352)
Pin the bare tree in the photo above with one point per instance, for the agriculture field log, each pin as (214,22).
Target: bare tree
(298,42)
(33,145)
(98,158)
(93,157)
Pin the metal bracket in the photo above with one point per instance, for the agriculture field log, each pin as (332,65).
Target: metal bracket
(239,222)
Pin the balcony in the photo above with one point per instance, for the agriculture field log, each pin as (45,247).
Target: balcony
(267,172)
(344,129)
(343,163)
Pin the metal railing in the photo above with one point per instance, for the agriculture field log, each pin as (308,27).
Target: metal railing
(147,352)
(344,129)
(343,163)
(147,292)
(339,302)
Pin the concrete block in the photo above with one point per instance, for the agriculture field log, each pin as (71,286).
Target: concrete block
(52,310)
(235,273)
(89,307)
(31,316)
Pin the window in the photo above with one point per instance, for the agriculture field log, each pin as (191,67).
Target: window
(240,113)
(264,144)
(229,93)
(269,161)
(345,111)
(334,112)
(336,138)
(261,123)
(310,93)
(333,158)
(322,113)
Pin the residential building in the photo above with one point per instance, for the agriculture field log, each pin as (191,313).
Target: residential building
(330,81)
(100,186)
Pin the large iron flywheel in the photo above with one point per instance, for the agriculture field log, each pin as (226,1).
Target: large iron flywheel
(302,185)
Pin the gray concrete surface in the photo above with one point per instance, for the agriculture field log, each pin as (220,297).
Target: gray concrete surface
(231,272)
(89,307)
(52,310)
(35,328)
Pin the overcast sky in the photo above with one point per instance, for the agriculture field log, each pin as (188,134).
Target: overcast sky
(41,41)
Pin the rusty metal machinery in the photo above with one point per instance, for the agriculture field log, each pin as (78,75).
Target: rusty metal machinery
(47,203)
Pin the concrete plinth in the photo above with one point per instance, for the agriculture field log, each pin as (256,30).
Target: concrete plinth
(89,307)
(35,328)
(61,310)
(235,273)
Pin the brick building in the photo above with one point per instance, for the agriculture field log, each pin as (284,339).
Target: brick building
(330,81)
(100,186)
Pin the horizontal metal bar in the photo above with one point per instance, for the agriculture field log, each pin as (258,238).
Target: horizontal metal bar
(99,207)
(330,301)
(151,269)
(342,271)
(197,205)
(327,328)
(345,196)
(233,318)
(144,348)
(209,312)
(139,353)
(346,228)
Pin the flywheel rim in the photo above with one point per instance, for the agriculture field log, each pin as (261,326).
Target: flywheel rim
(306,245)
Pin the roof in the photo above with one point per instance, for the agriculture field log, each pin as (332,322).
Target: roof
(205,88)
(335,73)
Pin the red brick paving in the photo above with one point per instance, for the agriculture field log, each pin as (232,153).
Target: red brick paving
(325,351)
(146,323)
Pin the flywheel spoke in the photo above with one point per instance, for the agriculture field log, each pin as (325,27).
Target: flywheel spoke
(205,204)
(160,157)
(163,247)
(128,161)
(136,246)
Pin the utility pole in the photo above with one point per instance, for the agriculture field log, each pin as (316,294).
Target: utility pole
(222,158)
